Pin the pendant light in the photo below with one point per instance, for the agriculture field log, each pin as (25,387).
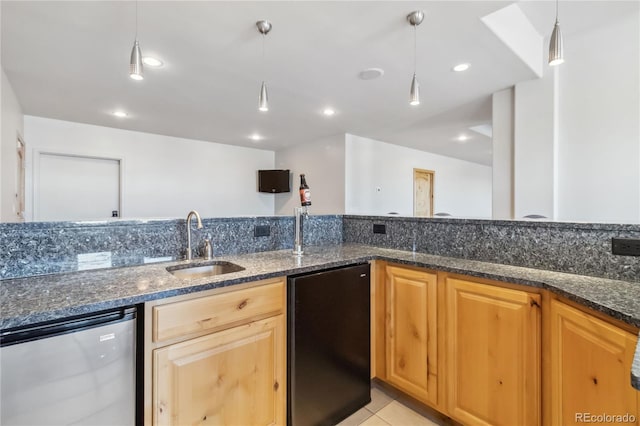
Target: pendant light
(263,100)
(135,65)
(555,44)
(415,18)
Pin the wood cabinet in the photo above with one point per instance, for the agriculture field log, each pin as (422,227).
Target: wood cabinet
(477,350)
(231,377)
(411,332)
(493,354)
(208,313)
(590,367)
(218,358)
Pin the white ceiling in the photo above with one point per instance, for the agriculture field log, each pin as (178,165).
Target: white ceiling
(69,60)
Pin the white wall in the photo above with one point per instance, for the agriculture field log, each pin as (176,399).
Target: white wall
(534,146)
(12,127)
(461,188)
(599,116)
(577,130)
(163,176)
(323,163)
(502,135)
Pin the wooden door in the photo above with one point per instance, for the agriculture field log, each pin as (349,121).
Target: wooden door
(232,377)
(493,354)
(590,368)
(411,339)
(423,192)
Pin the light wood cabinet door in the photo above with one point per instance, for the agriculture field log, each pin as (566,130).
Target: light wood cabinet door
(590,368)
(493,354)
(232,377)
(411,340)
(212,313)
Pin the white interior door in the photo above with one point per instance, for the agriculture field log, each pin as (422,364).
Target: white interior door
(73,187)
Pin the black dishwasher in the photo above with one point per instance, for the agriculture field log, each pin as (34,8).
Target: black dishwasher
(328,345)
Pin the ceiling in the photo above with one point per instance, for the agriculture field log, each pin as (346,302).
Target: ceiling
(69,61)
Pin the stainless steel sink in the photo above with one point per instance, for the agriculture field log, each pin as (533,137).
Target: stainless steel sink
(204,269)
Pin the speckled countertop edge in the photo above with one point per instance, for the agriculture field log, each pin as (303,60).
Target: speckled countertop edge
(25,301)
(536,223)
(114,222)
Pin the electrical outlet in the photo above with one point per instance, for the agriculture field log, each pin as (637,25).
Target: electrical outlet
(262,231)
(379,228)
(625,246)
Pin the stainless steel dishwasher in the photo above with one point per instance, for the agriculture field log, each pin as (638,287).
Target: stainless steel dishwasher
(78,371)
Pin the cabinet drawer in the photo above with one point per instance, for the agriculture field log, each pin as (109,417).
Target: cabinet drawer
(214,312)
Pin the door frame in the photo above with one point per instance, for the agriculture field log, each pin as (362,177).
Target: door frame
(21,172)
(37,154)
(417,171)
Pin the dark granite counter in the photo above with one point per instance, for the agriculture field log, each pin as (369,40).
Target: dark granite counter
(25,301)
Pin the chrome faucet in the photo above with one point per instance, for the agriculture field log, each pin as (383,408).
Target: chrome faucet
(189,216)
(297,243)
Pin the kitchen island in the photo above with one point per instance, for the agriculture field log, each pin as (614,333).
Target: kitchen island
(42,298)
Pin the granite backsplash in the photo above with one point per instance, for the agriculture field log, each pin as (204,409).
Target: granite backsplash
(577,248)
(39,248)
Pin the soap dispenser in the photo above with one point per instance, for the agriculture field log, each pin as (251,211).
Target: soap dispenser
(208,250)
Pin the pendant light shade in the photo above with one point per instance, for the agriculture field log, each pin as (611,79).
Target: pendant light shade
(135,66)
(414,95)
(556,56)
(263,99)
(415,18)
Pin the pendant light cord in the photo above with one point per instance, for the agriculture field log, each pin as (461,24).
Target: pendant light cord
(415,49)
(557,10)
(136,19)
(264,66)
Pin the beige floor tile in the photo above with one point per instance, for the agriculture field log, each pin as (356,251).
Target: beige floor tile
(356,418)
(374,421)
(397,414)
(379,400)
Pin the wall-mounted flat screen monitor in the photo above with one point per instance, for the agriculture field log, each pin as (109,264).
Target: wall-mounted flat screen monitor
(273,181)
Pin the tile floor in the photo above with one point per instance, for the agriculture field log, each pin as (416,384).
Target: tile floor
(384,410)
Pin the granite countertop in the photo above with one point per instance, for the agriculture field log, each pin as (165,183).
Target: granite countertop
(31,300)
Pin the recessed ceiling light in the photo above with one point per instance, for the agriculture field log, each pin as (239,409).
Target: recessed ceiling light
(329,112)
(152,62)
(371,73)
(120,114)
(462,138)
(255,137)
(461,67)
